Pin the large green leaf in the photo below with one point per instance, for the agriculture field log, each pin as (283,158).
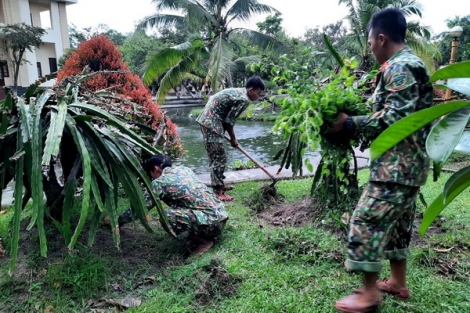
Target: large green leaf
(54,135)
(461,85)
(114,121)
(127,178)
(333,50)
(410,124)
(455,181)
(36,168)
(444,137)
(464,143)
(456,70)
(70,190)
(17,207)
(460,184)
(134,165)
(87,177)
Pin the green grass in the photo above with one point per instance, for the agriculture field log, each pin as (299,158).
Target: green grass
(266,269)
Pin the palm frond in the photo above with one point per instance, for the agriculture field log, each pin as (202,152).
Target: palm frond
(161,20)
(175,75)
(192,10)
(170,4)
(159,62)
(419,30)
(194,78)
(221,59)
(243,10)
(262,40)
(408,7)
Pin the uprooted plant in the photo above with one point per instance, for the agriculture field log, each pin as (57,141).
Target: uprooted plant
(61,141)
(313,102)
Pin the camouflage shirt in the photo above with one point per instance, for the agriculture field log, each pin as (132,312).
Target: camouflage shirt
(223,107)
(180,189)
(403,88)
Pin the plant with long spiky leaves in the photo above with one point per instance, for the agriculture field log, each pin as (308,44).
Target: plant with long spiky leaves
(211,55)
(56,142)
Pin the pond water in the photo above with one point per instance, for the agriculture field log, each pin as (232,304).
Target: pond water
(254,137)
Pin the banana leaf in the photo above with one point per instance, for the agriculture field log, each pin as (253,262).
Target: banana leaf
(410,124)
(444,137)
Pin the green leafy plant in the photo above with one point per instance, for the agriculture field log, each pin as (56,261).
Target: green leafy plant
(314,101)
(445,135)
(240,165)
(56,143)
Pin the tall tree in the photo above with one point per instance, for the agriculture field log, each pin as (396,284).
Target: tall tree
(135,49)
(336,33)
(271,25)
(212,53)
(19,38)
(360,13)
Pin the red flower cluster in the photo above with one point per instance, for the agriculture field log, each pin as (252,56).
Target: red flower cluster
(100,54)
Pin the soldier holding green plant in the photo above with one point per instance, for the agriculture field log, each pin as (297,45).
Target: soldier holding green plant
(381,225)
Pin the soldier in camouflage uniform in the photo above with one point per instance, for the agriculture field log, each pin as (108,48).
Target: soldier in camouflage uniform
(219,115)
(195,211)
(381,225)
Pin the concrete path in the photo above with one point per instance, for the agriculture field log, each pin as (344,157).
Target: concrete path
(257,174)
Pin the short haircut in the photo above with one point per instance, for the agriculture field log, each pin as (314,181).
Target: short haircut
(255,82)
(160,160)
(390,22)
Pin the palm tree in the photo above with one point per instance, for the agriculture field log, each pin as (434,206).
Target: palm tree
(360,13)
(211,55)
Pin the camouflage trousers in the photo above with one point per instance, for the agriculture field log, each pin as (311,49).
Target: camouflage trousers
(183,222)
(381,226)
(217,158)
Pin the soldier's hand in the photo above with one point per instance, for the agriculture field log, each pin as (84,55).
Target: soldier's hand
(234,142)
(339,124)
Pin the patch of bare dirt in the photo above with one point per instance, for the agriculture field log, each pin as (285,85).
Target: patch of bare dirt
(290,214)
(215,283)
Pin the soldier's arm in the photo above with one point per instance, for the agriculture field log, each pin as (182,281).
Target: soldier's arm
(238,105)
(400,99)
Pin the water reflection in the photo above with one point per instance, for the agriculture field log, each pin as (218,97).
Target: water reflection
(254,137)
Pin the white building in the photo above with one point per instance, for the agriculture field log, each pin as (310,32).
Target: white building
(48,14)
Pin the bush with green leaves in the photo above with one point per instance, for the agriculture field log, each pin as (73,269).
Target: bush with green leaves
(452,118)
(59,142)
(313,103)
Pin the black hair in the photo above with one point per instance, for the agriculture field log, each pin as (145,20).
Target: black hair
(255,82)
(160,160)
(390,22)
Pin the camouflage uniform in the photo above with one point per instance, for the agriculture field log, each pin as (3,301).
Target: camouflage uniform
(382,221)
(195,209)
(223,107)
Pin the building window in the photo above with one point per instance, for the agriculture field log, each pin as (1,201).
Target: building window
(4,69)
(45,17)
(53,65)
(38,64)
